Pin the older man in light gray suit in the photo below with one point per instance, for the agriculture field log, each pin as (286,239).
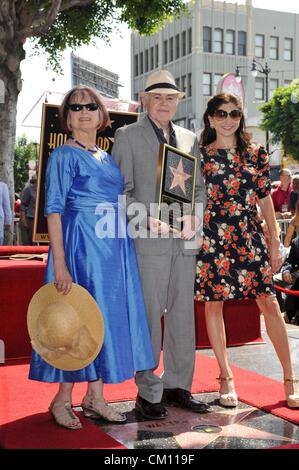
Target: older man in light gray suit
(167,266)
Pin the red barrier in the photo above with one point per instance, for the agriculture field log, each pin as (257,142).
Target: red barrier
(242,323)
(19,280)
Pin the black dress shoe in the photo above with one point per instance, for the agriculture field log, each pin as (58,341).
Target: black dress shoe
(148,410)
(183,399)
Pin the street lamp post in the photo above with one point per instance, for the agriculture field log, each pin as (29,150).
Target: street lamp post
(256,68)
(265,70)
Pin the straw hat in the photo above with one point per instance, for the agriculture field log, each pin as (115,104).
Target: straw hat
(161,82)
(66,330)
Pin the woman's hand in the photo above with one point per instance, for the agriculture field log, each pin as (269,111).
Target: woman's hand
(157,226)
(275,256)
(63,279)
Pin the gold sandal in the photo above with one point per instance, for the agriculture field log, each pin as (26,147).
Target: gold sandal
(63,415)
(293,398)
(229,399)
(97,408)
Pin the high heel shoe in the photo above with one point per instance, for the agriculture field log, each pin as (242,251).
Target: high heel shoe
(229,399)
(293,397)
(96,408)
(63,415)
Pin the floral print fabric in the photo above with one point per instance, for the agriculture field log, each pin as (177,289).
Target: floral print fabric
(233,262)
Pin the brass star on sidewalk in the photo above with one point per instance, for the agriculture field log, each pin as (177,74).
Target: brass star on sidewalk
(179,176)
(191,431)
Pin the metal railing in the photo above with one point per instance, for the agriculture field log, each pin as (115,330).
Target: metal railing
(283,225)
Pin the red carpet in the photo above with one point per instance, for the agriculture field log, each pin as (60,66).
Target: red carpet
(252,388)
(26,424)
(38,432)
(287,447)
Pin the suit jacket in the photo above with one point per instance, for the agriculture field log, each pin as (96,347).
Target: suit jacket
(136,151)
(292,262)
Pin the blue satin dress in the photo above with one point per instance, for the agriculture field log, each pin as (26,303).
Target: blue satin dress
(85,192)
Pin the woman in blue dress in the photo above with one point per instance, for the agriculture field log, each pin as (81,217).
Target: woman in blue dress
(90,246)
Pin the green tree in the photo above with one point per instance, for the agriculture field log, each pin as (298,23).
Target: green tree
(58,24)
(24,151)
(281,118)
(75,26)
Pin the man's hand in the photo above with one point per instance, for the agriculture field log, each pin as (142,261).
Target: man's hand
(24,219)
(286,276)
(191,224)
(157,226)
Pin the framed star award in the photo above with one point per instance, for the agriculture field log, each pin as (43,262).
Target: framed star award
(176,174)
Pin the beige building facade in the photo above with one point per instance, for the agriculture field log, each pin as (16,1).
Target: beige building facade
(211,41)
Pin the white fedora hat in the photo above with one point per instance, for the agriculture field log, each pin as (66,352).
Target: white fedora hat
(67,331)
(161,82)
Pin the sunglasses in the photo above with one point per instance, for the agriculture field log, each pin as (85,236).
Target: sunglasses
(220,114)
(78,107)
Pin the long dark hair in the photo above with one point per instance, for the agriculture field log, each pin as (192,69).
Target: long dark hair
(208,134)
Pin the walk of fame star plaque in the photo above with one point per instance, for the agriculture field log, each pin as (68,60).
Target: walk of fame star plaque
(176,173)
(52,136)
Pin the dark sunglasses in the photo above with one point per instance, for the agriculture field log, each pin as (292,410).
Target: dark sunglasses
(78,107)
(220,114)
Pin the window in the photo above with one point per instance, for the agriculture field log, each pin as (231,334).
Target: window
(177,46)
(207,39)
(287,82)
(207,84)
(288,49)
(273,52)
(216,80)
(171,49)
(241,43)
(273,85)
(189,84)
(141,62)
(152,57)
(146,61)
(189,40)
(165,52)
(218,41)
(180,122)
(156,55)
(230,42)
(259,89)
(184,84)
(136,65)
(260,46)
(183,43)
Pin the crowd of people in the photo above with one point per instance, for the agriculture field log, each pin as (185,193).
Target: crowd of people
(5,210)
(22,213)
(158,273)
(286,205)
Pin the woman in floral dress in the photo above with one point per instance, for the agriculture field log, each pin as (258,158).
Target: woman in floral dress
(234,262)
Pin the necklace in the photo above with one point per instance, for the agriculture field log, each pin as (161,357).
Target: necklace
(84,146)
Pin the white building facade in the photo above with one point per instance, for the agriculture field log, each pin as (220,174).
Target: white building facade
(212,40)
